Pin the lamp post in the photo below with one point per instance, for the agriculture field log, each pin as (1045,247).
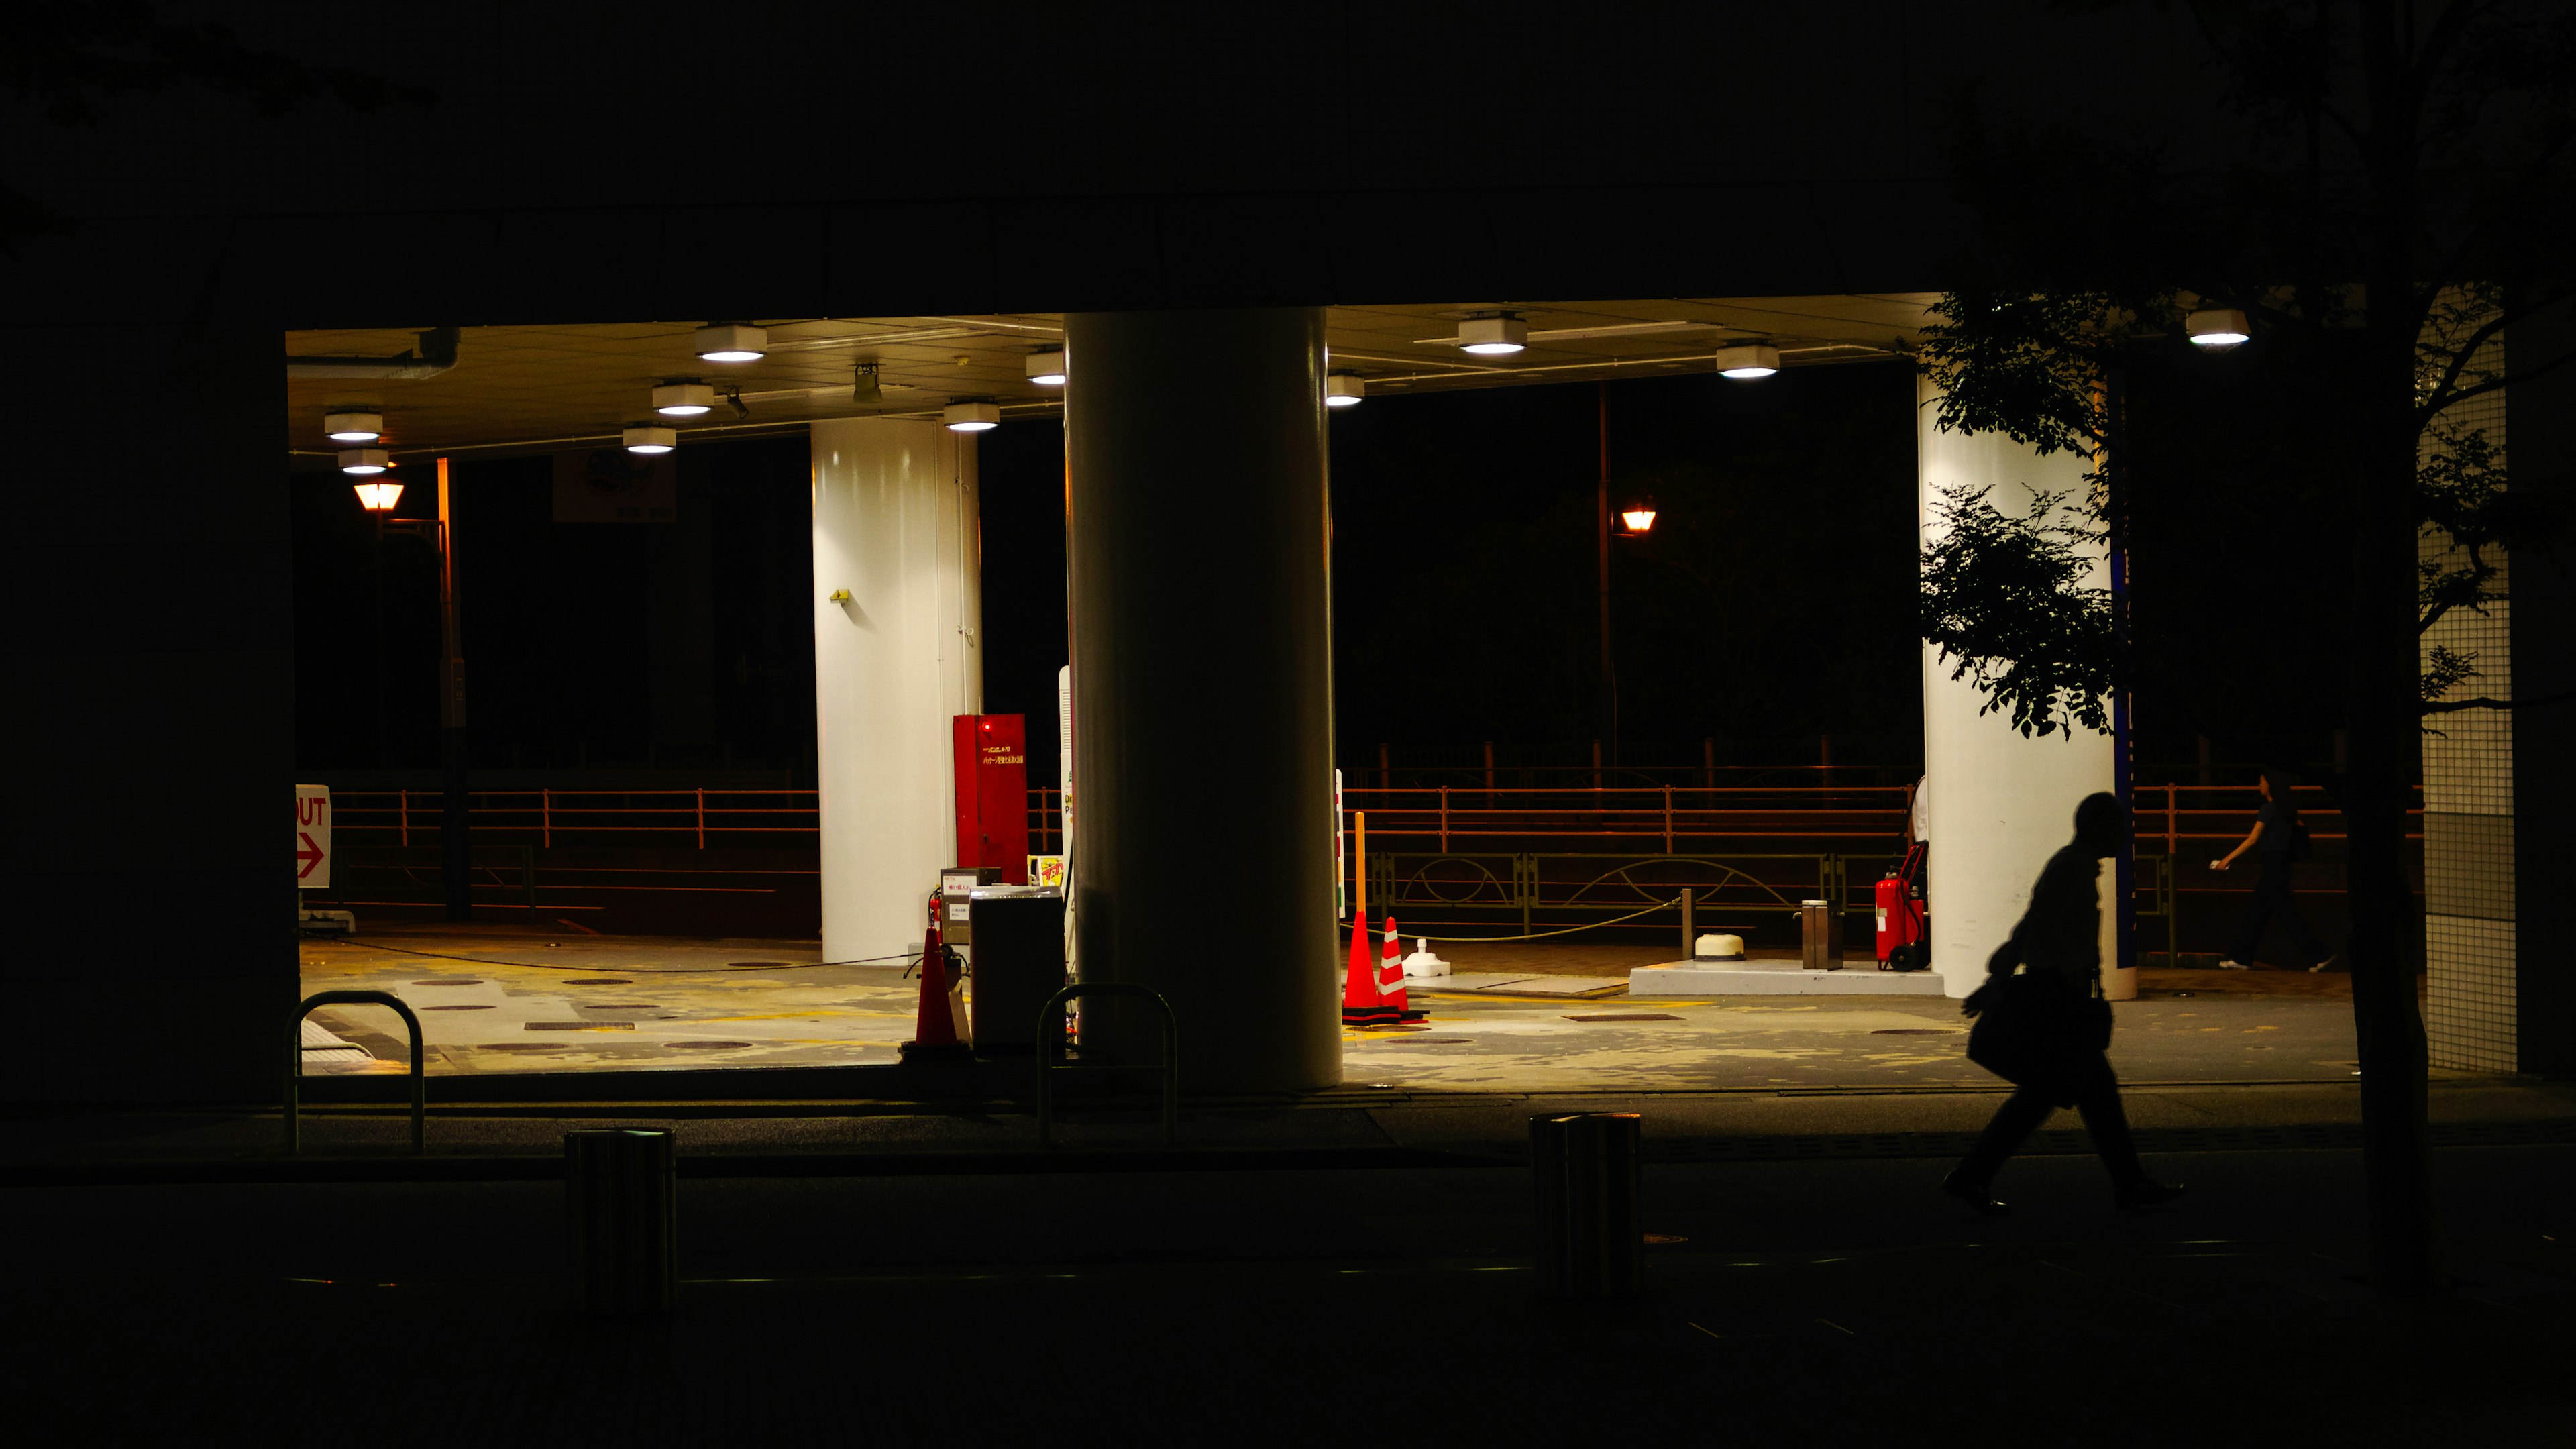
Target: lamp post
(378,497)
(455,853)
(1636,519)
(1609,676)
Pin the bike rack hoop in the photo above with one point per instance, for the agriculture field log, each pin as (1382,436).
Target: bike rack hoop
(295,1059)
(1050,1053)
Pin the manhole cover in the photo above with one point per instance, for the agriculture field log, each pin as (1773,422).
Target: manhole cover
(600,981)
(480,1007)
(619,1006)
(1626,1016)
(1913,1031)
(512,1046)
(450,981)
(581,1026)
(705,1046)
(758,963)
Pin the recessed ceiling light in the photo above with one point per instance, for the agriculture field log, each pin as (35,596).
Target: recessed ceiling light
(648,439)
(2217,328)
(1046,369)
(353,425)
(1344,389)
(1493,336)
(732,342)
(972,416)
(1754,360)
(683,397)
(364,460)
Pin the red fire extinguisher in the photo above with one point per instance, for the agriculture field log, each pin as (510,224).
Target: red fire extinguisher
(1904,931)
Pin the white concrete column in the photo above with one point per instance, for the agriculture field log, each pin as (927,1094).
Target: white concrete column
(895,529)
(2001,804)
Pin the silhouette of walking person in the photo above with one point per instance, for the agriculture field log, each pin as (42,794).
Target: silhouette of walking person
(2281,839)
(2054,1025)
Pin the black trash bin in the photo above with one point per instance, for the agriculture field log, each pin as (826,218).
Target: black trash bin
(622,1210)
(1585,1175)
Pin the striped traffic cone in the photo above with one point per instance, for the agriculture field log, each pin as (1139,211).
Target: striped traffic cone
(1361,1003)
(1390,976)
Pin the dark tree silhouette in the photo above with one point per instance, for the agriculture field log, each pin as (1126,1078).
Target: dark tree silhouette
(2395,203)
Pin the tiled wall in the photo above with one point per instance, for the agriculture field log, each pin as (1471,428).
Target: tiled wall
(2470,1008)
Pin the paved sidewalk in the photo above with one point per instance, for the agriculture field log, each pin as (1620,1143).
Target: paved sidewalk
(500,1000)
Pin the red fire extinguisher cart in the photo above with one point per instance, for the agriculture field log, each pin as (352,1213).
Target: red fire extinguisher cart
(1904,934)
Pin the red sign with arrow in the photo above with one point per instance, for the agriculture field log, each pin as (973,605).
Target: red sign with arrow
(312,837)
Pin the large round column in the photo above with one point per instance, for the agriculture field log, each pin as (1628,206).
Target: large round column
(1198,535)
(2001,803)
(895,532)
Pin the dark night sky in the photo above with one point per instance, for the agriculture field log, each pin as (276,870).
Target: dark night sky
(1772,603)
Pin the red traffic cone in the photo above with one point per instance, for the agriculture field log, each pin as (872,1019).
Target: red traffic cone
(1390,976)
(1361,1004)
(934,1029)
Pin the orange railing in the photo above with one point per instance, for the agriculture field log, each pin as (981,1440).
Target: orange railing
(1673,818)
(701,818)
(1685,818)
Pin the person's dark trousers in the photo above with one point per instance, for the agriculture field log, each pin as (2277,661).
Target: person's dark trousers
(2272,894)
(2098,1098)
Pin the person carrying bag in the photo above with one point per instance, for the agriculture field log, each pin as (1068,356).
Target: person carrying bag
(2042,1025)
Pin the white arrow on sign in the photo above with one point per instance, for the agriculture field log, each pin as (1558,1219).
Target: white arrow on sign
(312,837)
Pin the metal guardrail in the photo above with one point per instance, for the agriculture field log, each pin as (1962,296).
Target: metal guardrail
(700,815)
(419,1062)
(1601,884)
(1051,1045)
(1723,884)
(1677,816)
(1499,818)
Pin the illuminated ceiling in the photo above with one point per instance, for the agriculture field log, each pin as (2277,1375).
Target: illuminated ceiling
(539,388)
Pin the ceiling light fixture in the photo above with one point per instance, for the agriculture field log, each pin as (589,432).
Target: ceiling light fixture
(1046,369)
(364,460)
(2217,328)
(971,416)
(1493,336)
(353,425)
(1344,389)
(1750,361)
(379,497)
(733,342)
(683,397)
(647,439)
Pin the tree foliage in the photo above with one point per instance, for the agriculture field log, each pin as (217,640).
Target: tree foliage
(2228,479)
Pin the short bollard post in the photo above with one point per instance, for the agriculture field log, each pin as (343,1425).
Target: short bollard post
(1585,1178)
(622,1209)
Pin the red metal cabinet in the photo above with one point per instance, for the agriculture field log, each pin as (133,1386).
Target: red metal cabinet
(993,793)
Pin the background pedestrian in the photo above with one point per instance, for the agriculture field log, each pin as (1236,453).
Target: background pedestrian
(2279,840)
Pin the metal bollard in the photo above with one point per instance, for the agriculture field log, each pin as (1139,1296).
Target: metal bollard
(1586,1184)
(621,1206)
(1820,946)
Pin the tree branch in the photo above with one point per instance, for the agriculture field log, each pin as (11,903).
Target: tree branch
(2497,384)
(2485,702)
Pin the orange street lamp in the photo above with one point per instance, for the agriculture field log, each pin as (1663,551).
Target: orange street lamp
(1639,517)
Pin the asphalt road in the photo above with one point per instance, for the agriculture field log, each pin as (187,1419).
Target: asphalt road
(1822,1301)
